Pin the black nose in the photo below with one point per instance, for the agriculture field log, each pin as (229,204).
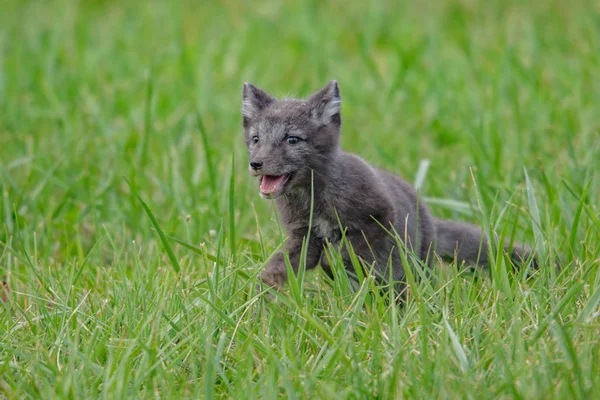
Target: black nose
(256,164)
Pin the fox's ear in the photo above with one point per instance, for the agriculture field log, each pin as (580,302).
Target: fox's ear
(254,100)
(326,104)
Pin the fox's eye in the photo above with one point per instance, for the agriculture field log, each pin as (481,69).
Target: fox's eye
(293,140)
(254,139)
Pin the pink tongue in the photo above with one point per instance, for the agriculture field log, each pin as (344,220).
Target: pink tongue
(272,184)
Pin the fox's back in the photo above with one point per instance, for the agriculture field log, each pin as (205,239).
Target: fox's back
(408,215)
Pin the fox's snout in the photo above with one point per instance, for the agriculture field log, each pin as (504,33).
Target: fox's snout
(256,165)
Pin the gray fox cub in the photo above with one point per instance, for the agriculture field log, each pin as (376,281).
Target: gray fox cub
(294,151)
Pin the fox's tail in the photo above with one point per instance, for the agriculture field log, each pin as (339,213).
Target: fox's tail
(464,242)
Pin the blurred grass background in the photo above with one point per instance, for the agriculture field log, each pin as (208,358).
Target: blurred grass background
(95,94)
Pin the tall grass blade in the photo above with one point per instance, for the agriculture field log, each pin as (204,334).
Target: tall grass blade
(163,238)
(535,213)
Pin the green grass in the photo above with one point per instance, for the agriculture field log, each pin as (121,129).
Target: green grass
(105,101)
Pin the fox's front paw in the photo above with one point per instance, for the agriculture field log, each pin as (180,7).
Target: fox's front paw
(273,280)
(273,277)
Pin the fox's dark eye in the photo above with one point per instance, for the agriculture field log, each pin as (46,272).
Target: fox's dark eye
(254,139)
(293,140)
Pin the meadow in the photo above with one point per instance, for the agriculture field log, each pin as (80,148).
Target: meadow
(131,233)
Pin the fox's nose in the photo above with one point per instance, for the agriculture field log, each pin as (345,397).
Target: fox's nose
(256,165)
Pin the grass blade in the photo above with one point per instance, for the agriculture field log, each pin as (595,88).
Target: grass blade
(590,306)
(457,347)
(207,153)
(421,173)
(198,250)
(162,236)
(535,213)
(232,241)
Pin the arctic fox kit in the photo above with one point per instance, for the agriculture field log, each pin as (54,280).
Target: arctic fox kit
(294,151)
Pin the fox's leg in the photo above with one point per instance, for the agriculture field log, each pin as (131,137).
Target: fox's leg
(275,275)
(377,252)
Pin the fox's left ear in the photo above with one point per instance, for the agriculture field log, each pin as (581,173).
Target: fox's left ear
(253,101)
(326,105)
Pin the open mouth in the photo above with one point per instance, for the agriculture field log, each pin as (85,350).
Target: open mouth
(272,186)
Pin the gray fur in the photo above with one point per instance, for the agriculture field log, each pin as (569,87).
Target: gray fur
(366,199)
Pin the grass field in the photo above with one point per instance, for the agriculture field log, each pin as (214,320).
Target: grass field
(104,101)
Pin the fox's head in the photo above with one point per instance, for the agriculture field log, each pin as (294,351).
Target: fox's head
(288,138)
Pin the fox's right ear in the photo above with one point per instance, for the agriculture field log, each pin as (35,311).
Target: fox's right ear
(325,105)
(253,101)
